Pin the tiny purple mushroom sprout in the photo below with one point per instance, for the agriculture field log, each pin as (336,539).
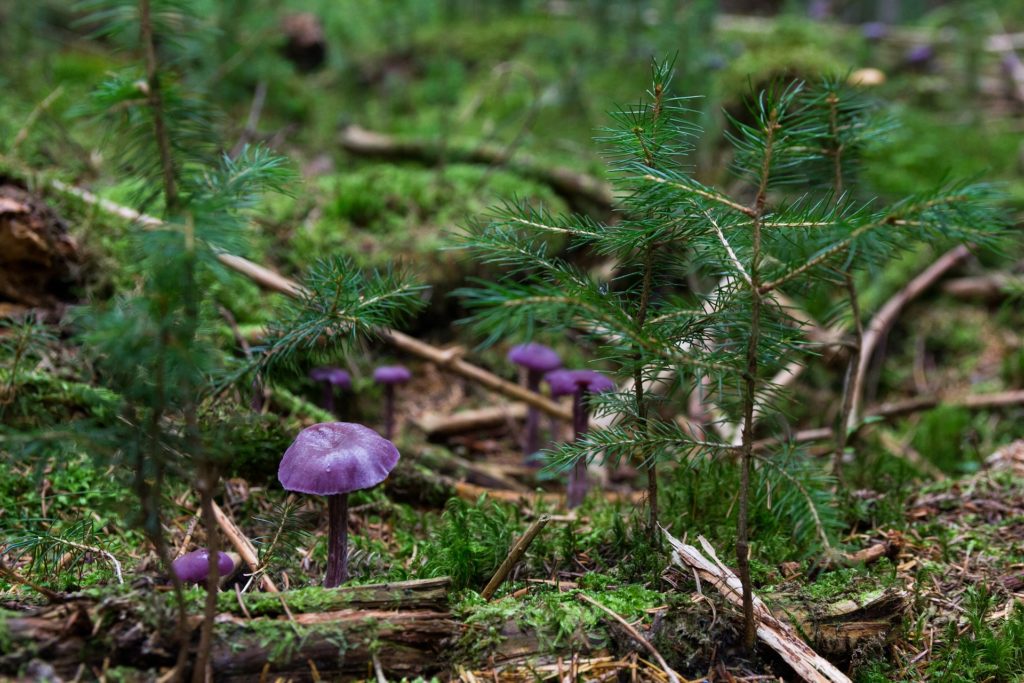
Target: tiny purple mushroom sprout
(193,567)
(331,379)
(333,459)
(389,376)
(537,359)
(578,383)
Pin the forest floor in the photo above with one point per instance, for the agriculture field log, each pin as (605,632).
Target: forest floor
(921,572)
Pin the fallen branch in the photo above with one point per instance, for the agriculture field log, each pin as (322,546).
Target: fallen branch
(779,636)
(438,424)
(987,287)
(879,326)
(584,193)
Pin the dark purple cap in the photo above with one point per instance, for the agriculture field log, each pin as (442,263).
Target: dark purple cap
(565,382)
(874,30)
(336,457)
(391,374)
(192,567)
(335,376)
(919,55)
(535,357)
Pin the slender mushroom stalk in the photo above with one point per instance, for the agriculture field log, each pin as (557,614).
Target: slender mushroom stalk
(333,459)
(337,540)
(330,379)
(578,383)
(389,376)
(536,359)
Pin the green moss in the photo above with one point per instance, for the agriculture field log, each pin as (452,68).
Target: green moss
(558,618)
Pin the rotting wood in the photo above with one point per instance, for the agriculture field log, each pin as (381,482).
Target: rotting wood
(415,594)
(778,635)
(339,643)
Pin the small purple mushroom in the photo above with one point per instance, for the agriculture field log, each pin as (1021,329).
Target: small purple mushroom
(331,379)
(578,383)
(919,56)
(333,459)
(389,376)
(193,567)
(873,31)
(537,359)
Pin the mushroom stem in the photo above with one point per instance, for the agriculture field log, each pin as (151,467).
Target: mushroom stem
(576,491)
(337,540)
(531,437)
(389,411)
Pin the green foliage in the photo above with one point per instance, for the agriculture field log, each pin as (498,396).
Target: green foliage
(338,305)
(471,542)
(988,651)
(558,617)
(943,438)
(21,341)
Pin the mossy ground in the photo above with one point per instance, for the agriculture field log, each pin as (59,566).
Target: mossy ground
(539,83)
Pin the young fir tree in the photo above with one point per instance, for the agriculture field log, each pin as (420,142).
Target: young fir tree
(698,300)
(154,346)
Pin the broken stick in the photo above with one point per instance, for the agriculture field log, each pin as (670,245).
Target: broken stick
(778,635)
(514,555)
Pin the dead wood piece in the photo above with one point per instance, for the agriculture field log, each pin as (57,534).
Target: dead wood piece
(492,417)
(778,635)
(39,260)
(841,628)
(584,193)
(407,643)
(415,595)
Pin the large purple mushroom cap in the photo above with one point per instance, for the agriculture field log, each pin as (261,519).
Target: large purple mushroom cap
(566,382)
(535,357)
(336,457)
(193,567)
(334,376)
(391,374)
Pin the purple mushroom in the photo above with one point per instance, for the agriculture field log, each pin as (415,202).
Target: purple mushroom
(331,379)
(919,56)
(332,459)
(389,376)
(193,567)
(874,31)
(537,359)
(578,383)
